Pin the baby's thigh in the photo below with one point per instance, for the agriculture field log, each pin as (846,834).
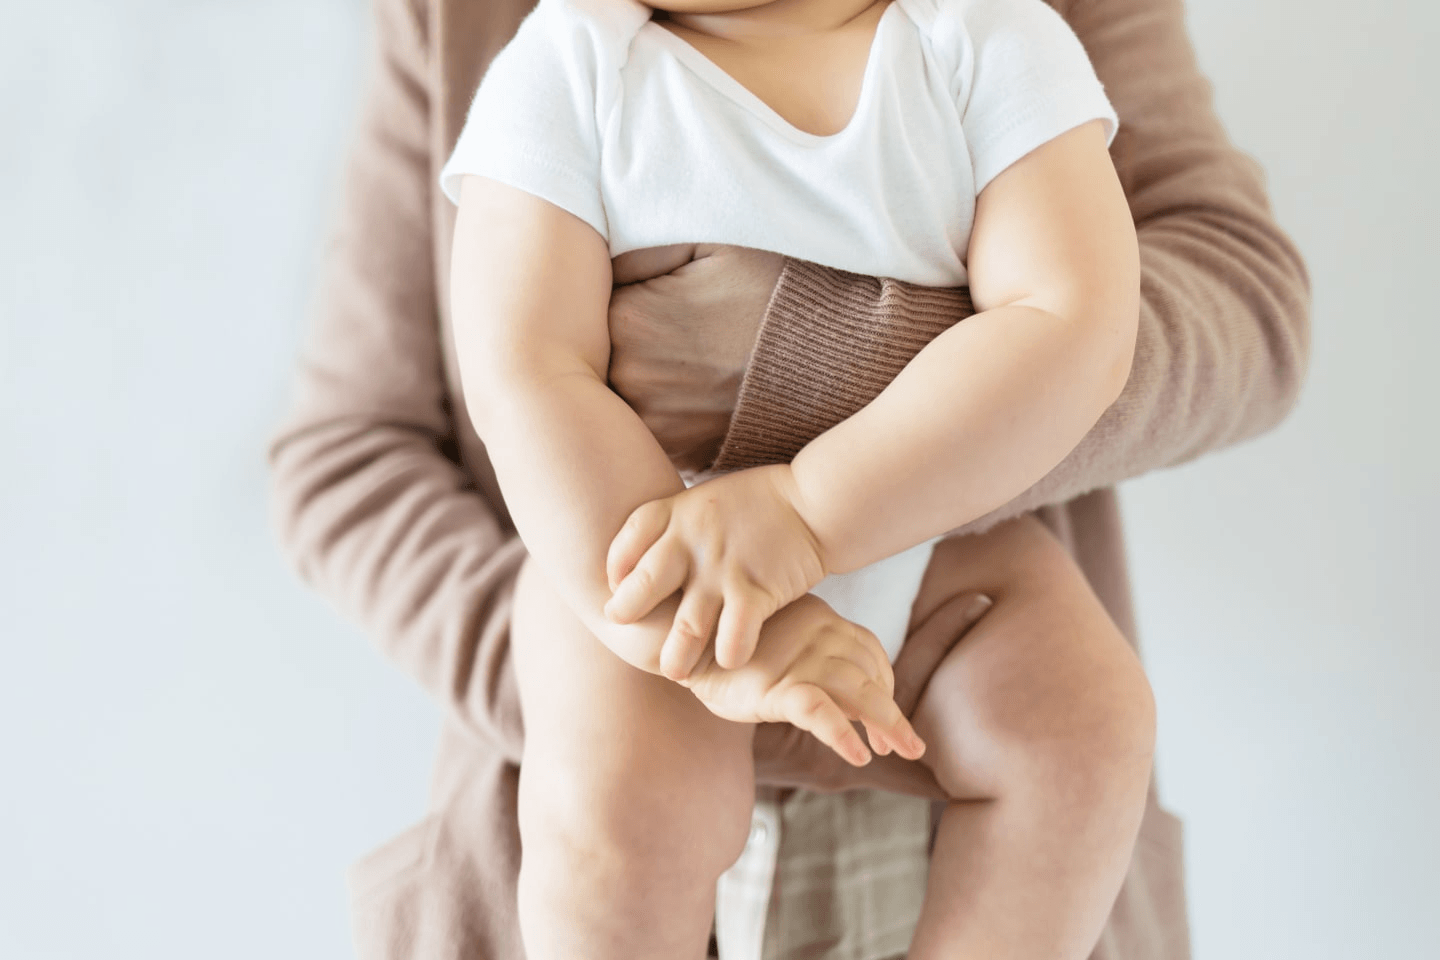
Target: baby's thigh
(1045,685)
(603,735)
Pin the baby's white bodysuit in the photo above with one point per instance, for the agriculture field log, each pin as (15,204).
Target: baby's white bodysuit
(603,112)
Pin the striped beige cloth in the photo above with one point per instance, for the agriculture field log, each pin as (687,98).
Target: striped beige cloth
(795,894)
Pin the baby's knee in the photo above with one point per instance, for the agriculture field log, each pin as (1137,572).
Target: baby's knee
(1090,742)
(1107,746)
(641,823)
(1041,707)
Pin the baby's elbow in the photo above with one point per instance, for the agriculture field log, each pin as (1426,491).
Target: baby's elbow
(1102,301)
(487,380)
(1124,314)
(1122,353)
(1118,295)
(1111,322)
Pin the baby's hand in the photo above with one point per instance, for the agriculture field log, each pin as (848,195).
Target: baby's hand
(818,671)
(738,547)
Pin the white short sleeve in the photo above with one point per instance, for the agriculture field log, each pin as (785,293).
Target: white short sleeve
(533,124)
(1023,79)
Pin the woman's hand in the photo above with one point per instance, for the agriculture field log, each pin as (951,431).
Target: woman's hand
(788,757)
(683,321)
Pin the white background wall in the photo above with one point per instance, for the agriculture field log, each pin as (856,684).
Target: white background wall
(1286,588)
(193,747)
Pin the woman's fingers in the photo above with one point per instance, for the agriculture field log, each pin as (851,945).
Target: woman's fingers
(645,525)
(931,641)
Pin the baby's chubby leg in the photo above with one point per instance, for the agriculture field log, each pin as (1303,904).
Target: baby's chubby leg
(633,797)
(1040,726)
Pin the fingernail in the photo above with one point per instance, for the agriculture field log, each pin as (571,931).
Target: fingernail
(979,605)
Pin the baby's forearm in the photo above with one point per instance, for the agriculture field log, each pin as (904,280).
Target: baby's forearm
(573,461)
(985,410)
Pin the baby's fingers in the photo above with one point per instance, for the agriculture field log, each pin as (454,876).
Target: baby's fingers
(809,708)
(874,660)
(871,704)
(880,745)
(660,572)
(689,634)
(642,528)
(738,632)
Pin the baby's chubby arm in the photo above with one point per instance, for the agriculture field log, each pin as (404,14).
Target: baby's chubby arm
(996,401)
(980,414)
(530,286)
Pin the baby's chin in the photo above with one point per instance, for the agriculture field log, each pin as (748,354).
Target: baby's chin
(707,6)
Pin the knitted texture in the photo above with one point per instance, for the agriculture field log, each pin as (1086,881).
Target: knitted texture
(830,342)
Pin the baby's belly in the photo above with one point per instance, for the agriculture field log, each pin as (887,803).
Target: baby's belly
(879,597)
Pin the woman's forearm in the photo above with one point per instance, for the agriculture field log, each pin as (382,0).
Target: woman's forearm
(367,507)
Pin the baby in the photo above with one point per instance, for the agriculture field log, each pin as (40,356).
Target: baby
(940,142)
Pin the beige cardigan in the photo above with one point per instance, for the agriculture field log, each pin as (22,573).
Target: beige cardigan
(386,504)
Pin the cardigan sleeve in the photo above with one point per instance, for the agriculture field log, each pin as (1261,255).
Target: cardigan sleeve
(370,505)
(1224,316)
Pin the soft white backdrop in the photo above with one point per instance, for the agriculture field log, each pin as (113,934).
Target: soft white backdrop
(193,747)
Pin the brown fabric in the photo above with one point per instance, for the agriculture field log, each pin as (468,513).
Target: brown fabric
(384,500)
(831,341)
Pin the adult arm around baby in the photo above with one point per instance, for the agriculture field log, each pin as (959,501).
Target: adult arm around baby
(1224,308)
